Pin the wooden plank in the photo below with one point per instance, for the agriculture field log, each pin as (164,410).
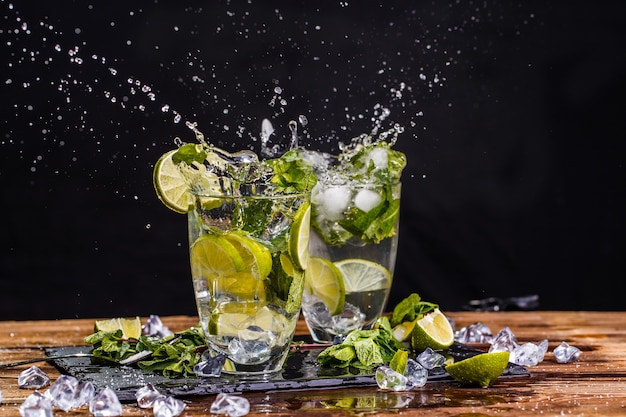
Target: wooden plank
(593,386)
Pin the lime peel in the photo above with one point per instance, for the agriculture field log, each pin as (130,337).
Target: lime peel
(480,370)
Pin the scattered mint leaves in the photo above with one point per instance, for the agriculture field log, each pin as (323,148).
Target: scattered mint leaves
(173,356)
(362,349)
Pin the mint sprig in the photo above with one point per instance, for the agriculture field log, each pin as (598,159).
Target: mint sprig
(173,356)
(411,308)
(362,349)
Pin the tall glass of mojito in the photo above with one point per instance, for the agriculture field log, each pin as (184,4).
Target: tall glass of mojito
(354,238)
(249,248)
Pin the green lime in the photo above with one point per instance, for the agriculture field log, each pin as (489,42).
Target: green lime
(299,236)
(170,185)
(402,332)
(226,324)
(171,181)
(256,257)
(361,275)
(433,330)
(324,280)
(480,370)
(226,268)
(215,254)
(131,328)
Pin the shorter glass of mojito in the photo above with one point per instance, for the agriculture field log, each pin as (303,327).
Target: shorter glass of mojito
(353,243)
(249,248)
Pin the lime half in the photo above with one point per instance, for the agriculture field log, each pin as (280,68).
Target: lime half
(170,185)
(324,280)
(299,236)
(480,370)
(362,275)
(432,331)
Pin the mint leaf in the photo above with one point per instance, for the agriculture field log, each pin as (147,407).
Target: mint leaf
(368,352)
(188,153)
(173,356)
(292,172)
(410,308)
(337,356)
(376,224)
(363,349)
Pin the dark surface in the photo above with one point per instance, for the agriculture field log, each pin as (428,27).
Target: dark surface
(514,136)
(301,372)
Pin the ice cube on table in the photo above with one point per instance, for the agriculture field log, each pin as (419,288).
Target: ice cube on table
(474,333)
(231,405)
(564,353)
(387,378)
(63,391)
(147,395)
(367,199)
(210,366)
(528,354)
(36,405)
(85,391)
(416,374)
(505,340)
(165,406)
(33,378)
(430,359)
(105,404)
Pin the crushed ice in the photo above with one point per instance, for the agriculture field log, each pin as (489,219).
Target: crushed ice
(526,354)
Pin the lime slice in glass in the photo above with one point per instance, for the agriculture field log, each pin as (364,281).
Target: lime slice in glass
(324,280)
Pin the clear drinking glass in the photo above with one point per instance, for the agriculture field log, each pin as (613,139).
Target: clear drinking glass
(355,228)
(248,255)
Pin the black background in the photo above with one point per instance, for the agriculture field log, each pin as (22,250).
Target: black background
(514,132)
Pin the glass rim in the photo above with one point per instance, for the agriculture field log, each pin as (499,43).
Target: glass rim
(282,195)
(361,184)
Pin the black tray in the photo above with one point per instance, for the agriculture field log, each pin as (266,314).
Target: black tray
(301,372)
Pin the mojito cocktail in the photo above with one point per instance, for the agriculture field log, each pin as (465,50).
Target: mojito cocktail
(248,223)
(355,217)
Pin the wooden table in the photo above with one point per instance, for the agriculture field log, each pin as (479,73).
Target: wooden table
(595,385)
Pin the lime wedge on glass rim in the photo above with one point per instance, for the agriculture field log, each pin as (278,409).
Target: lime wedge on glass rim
(170,185)
(324,280)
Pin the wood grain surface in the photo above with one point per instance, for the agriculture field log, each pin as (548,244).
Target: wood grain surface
(592,386)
